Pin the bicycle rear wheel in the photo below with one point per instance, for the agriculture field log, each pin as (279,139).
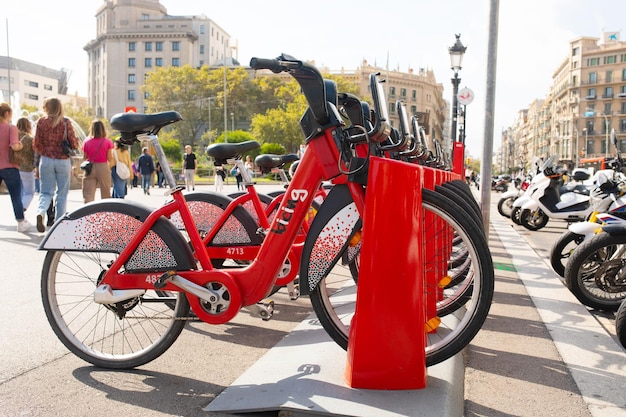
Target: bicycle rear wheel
(118,336)
(463,307)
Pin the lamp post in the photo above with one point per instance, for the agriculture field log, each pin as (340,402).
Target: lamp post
(606,131)
(576,149)
(456,59)
(586,140)
(232,122)
(209,124)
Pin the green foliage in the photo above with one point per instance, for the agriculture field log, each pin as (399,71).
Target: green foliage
(235,136)
(84,116)
(273,148)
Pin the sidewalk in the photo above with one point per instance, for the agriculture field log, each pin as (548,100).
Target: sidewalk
(540,353)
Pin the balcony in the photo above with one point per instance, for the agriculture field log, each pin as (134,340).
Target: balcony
(607,95)
(592,97)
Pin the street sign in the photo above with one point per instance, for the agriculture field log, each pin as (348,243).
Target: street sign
(465,96)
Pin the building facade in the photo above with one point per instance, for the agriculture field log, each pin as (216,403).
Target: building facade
(134,37)
(586,101)
(33,83)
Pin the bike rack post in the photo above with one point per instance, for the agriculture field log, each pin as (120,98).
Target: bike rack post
(458,158)
(386,348)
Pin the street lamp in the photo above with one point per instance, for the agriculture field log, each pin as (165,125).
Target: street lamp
(209,124)
(232,122)
(456,59)
(576,149)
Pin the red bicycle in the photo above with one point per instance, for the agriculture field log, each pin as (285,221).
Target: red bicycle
(118,280)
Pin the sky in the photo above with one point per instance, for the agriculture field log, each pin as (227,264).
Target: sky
(532,40)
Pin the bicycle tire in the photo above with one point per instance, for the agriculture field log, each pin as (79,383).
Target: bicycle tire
(459,327)
(465,191)
(584,271)
(94,332)
(563,249)
(620,324)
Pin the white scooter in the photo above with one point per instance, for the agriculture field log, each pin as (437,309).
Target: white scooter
(548,203)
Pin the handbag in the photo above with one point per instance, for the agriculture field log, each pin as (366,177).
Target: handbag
(86,166)
(121,168)
(15,157)
(66,145)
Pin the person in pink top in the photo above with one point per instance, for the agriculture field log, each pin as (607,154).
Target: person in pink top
(99,150)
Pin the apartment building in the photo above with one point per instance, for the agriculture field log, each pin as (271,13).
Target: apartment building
(134,37)
(586,101)
(33,83)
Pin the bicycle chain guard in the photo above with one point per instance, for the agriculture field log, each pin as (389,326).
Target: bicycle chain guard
(225,303)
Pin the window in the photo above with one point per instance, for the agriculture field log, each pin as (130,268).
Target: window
(392,108)
(148,62)
(589,126)
(131,95)
(575,51)
(131,62)
(131,46)
(575,81)
(158,62)
(608,92)
(590,150)
(593,62)
(146,95)
(31,83)
(31,96)
(392,91)
(622,125)
(131,78)
(403,92)
(609,76)
(611,59)
(175,62)
(176,46)
(413,109)
(607,108)
(201,49)
(158,46)
(623,108)
(145,16)
(202,29)
(622,145)
(624,75)
(47,87)
(148,46)
(414,95)
(593,77)
(591,94)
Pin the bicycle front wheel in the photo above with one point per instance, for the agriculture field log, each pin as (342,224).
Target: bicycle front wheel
(123,335)
(463,306)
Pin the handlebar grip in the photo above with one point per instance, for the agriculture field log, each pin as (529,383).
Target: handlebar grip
(273,65)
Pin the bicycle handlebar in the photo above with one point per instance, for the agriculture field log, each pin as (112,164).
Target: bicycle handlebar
(309,78)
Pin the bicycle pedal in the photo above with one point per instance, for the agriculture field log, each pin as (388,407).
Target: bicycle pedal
(293,290)
(263,309)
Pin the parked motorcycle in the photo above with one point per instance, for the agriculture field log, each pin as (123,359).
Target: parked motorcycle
(505,205)
(548,202)
(620,323)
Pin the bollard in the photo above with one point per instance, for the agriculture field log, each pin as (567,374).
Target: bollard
(386,347)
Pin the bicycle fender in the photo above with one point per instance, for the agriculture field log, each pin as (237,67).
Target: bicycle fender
(614,229)
(207,207)
(108,226)
(329,235)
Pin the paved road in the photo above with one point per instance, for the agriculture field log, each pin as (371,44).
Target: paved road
(38,376)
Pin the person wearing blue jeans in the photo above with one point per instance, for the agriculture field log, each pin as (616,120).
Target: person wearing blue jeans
(54,169)
(9,173)
(145,166)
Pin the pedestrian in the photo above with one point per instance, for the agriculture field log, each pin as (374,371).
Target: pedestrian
(220,176)
(189,166)
(249,165)
(122,156)
(27,161)
(9,172)
(135,173)
(145,165)
(160,175)
(99,150)
(55,166)
(237,174)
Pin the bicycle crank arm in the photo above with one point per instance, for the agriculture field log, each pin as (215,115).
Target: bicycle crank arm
(104,294)
(195,289)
